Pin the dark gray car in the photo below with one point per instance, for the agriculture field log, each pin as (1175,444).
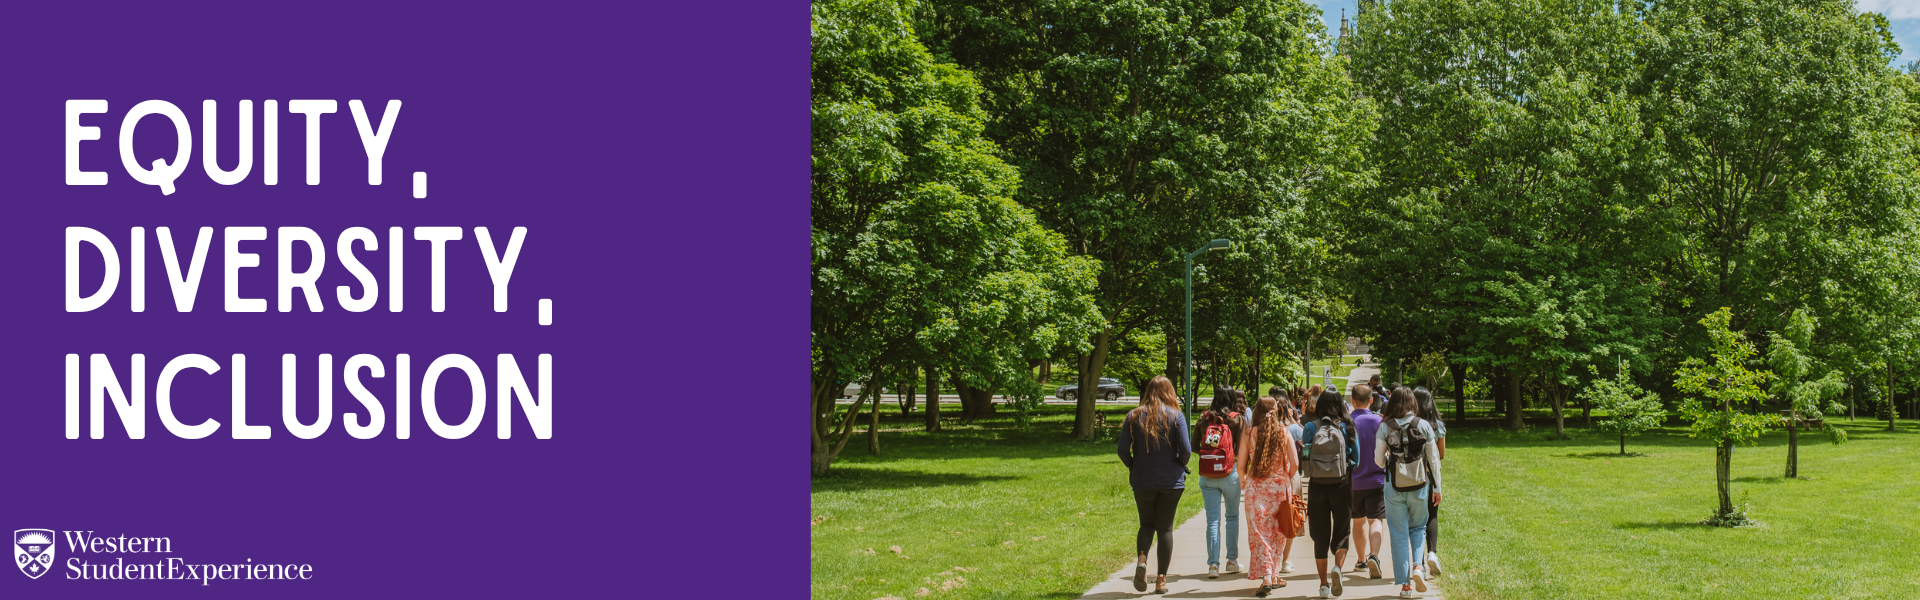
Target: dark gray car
(1110,389)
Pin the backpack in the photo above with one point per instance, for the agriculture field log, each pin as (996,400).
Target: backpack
(1406,454)
(1327,457)
(1216,447)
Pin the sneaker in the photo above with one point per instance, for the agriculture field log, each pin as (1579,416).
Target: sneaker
(1286,566)
(1213,571)
(1333,580)
(1232,567)
(1407,593)
(1419,579)
(1325,593)
(1373,567)
(1140,577)
(1433,563)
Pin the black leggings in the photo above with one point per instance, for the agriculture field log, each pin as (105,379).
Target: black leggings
(1433,529)
(1328,520)
(1157,509)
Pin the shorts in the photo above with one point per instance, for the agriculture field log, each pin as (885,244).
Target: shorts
(1369,504)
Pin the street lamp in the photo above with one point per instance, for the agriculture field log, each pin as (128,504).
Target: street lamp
(1192,396)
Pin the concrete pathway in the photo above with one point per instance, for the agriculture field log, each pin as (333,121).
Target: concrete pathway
(1189,572)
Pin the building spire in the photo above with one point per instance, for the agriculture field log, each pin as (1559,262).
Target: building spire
(1343,26)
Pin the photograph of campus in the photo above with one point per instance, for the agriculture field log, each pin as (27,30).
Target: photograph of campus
(1465,299)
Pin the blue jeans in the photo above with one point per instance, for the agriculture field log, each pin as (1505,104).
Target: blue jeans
(1407,523)
(1211,491)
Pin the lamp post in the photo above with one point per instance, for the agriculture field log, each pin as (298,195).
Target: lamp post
(1192,396)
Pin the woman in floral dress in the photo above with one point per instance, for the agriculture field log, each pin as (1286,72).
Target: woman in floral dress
(1267,464)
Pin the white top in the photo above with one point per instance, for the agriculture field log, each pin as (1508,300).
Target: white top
(1431,452)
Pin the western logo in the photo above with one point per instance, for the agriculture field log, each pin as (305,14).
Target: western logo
(33,551)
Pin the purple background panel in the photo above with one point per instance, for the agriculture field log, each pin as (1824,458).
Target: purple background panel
(656,154)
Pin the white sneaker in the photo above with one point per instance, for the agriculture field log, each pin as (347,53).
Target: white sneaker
(1373,567)
(1333,580)
(1419,579)
(1213,571)
(1325,593)
(1407,593)
(1286,566)
(1232,567)
(1433,563)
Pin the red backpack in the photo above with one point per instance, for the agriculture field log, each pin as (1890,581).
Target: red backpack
(1215,447)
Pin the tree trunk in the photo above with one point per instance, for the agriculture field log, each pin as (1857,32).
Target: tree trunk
(975,403)
(826,447)
(1793,445)
(1253,386)
(1722,467)
(933,400)
(1459,391)
(1046,373)
(1891,413)
(1085,419)
(1559,403)
(873,423)
(1516,415)
(1586,411)
(1623,444)
(907,386)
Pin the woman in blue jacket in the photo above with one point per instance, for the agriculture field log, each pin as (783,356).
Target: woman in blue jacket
(1153,444)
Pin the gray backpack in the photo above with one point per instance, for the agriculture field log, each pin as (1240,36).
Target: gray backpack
(1406,455)
(1327,457)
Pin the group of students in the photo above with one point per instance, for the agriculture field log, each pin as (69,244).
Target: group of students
(1359,460)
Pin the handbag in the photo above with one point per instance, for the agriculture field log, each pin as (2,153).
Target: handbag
(1292,516)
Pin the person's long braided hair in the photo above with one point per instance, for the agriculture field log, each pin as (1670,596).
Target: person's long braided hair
(1270,440)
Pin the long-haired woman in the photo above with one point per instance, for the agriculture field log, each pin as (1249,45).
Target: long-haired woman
(1431,414)
(1267,465)
(1153,445)
(1329,519)
(1290,419)
(1217,488)
(1407,510)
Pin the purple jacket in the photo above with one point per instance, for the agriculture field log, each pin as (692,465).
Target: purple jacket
(1367,476)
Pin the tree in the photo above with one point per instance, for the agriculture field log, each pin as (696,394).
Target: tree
(1721,393)
(1145,128)
(1513,226)
(1631,410)
(1805,382)
(920,255)
(1789,152)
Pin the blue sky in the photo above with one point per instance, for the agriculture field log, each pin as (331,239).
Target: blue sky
(1905,15)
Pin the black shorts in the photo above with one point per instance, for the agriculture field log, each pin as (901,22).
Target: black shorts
(1370,504)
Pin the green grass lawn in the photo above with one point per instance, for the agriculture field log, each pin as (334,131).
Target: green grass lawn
(988,509)
(1531,518)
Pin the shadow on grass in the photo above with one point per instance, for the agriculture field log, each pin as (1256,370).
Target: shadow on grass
(852,478)
(1666,525)
(1594,455)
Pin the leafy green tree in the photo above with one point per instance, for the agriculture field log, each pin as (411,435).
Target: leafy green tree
(1145,128)
(1720,397)
(1513,226)
(1806,383)
(1788,148)
(920,254)
(1630,410)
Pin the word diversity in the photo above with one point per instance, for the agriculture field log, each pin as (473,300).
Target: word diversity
(168,568)
(239,254)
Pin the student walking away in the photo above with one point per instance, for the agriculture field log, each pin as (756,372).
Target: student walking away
(1221,430)
(1330,455)
(1153,445)
(1404,448)
(1246,416)
(1267,464)
(1369,508)
(1290,418)
(1431,414)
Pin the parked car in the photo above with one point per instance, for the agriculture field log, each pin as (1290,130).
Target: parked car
(852,389)
(1110,389)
